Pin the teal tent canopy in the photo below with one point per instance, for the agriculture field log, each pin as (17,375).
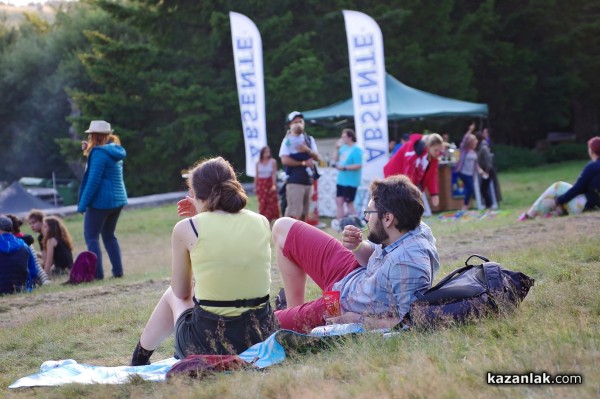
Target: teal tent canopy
(404,102)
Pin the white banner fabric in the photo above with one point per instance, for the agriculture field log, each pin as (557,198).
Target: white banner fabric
(248,59)
(367,73)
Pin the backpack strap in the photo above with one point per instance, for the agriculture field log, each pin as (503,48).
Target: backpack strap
(193,227)
(483,258)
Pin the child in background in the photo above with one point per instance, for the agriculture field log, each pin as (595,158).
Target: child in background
(467,167)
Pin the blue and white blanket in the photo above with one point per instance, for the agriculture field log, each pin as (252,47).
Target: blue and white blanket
(264,354)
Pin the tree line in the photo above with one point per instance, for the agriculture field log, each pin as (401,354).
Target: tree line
(161,71)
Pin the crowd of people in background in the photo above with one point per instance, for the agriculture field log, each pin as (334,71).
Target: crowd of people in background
(213,309)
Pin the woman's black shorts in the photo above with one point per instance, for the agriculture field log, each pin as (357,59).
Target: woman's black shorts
(198,332)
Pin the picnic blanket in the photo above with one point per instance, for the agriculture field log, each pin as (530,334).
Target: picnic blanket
(263,354)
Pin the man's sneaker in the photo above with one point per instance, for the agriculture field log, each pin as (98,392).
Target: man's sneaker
(280,300)
(335,224)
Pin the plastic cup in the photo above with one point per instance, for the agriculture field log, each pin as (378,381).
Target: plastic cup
(332,303)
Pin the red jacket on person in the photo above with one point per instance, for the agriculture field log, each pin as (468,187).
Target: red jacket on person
(420,169)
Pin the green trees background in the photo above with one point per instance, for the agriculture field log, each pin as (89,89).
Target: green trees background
(161,71)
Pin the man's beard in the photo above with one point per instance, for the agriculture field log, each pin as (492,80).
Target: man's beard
(378,235)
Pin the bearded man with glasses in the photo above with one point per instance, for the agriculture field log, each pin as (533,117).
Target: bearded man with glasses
(378,278)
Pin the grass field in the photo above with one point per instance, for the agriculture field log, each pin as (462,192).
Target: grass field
(555,330)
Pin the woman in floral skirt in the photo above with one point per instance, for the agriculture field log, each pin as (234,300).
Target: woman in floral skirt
(265,185)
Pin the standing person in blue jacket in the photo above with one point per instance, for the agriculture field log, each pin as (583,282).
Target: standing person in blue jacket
(102,194)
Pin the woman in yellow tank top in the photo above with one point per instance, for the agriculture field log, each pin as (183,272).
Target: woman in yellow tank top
(226,250)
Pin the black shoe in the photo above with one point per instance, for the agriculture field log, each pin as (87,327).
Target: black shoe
(280,300)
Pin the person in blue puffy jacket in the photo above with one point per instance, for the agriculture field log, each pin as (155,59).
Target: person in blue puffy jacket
(102,194)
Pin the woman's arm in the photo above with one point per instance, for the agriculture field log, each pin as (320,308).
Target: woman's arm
(182,240)
(274,174)
(579,187)
(49,260)
(97,162)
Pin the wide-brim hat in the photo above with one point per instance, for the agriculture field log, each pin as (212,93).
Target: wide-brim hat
(102,127)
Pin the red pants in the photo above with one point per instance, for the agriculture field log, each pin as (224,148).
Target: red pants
(325,260)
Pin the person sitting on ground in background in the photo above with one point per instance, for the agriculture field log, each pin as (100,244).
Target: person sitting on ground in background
(563,198)
(298,153)
(17,223)
(14,259)
(418,159)
(227,309)
(265,185)
(35,219)
(468,167)
(59,246)
(348,161)
(378,279)
(36,271)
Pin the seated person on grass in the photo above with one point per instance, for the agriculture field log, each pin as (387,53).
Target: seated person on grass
(36,272)
(14,258)
(563,198)
(378,279)
(226,249)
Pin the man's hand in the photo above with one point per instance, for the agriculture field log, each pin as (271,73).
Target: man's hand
(435,200)
(351,237)
(186,207)
(347,317)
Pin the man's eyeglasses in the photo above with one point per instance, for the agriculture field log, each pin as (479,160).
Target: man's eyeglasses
(367,212)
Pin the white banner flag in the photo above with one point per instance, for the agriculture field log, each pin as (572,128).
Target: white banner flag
(248,59)
(367,72)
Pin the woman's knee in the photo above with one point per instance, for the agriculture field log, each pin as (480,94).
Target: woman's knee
(176,304)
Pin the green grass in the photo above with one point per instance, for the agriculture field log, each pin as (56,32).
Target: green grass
(555,329)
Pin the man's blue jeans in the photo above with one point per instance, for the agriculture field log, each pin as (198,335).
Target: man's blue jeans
(103,221)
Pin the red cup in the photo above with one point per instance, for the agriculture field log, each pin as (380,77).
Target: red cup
(332,303)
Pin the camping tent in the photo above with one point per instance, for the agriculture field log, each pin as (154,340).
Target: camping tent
(16,200)
(404,102)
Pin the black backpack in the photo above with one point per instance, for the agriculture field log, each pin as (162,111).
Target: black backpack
(470,292)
